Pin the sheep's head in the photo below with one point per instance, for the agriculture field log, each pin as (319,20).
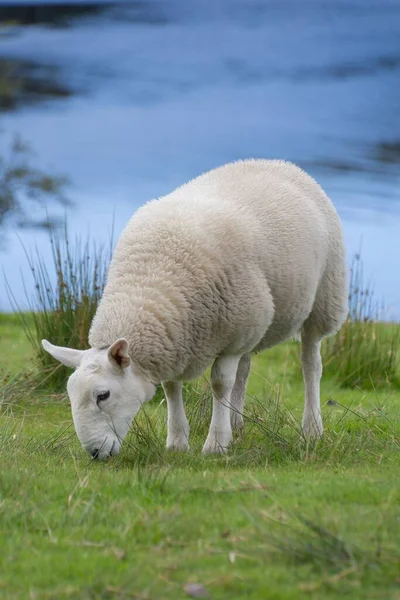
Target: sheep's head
(106,391)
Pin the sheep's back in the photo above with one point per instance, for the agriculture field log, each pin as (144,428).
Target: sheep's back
(220,260)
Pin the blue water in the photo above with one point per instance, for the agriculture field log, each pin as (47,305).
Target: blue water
(163,91)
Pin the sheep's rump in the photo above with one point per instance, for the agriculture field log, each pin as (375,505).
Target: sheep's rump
(235,260)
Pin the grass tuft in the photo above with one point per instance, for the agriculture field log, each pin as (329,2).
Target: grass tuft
(64,301)
(364,353)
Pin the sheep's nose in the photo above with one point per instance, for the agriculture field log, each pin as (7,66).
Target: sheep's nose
(95,453)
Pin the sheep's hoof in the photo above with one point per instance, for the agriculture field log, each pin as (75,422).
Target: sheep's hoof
(237,422)
(178,444)
(312,426)
(217,444)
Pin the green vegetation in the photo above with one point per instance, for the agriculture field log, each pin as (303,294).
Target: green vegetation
(364,353)
(65,300)
(275,518)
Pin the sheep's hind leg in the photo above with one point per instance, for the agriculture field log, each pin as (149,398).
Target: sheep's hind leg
(178,426)
(239,392)
(223,377)
(312,372)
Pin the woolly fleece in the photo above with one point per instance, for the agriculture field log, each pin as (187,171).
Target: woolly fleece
(235,261)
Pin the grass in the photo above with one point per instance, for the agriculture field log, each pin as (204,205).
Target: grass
(364,352)
(275,518)
(65,299)
(15,352)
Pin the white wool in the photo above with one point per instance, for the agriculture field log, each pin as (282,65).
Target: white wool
(235,261)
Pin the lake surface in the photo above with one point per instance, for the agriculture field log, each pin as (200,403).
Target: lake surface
(135,99)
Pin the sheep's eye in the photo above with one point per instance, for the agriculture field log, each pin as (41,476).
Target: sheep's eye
(103,396)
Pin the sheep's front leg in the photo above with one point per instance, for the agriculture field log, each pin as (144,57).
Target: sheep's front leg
(223,376)
(178,426)
(312,372)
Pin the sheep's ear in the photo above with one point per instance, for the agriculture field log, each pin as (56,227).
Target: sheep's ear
(118,353)
(67,356)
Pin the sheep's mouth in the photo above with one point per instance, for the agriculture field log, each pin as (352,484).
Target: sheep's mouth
(96,453)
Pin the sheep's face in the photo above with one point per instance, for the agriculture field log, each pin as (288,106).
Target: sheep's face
(105,392)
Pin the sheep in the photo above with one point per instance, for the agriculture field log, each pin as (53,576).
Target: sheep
(235,261)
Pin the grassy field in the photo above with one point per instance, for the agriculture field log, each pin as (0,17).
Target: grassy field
(275,518)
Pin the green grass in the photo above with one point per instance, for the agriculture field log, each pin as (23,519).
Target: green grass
(275,518)
(14,349)
(65,298)
(365,351)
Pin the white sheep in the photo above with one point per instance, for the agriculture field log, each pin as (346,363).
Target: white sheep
(235,261)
